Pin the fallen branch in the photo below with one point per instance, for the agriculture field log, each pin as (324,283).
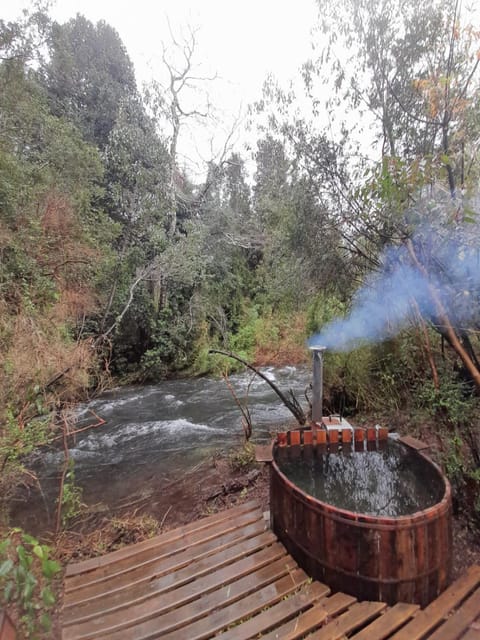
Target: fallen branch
(292,404)
(144,273)
(100,423)
(164,517)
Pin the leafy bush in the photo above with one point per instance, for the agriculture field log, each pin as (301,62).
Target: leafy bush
(243,341)
(71,500)
(243,458)
(26,574)
(451,402)
(322,309)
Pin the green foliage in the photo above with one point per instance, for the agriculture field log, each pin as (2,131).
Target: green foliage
(17,440)
(88,74)
(24,438)
(50,233)
(136,174)
(269,329)
(71,504)
(348,374)
(27,572)
(452,402)
(453,458)
(21,39)
(376,377)
(202,361)
(243,342)
(170,347)
(243,458)
(322,309)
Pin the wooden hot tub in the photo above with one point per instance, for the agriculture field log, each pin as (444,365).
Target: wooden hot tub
(405,558)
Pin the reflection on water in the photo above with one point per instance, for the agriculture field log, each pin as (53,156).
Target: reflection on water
(394,481)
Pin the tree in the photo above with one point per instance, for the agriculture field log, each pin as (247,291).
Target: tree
(180,100)
(299,211)
(21,40)
(271,177)
(413,72)
(237,191)
(89,75)
(51,233)
(137,164)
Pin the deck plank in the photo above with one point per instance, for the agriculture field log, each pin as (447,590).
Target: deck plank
(150,619)
(222,618)
(472,634)
(312,619)
(276,614)
(459,621)
(164,549)
(160,603)
(356,616)
(388,622)
(430,617)
(159,582)
(90,564)
(162,564)
(157,567)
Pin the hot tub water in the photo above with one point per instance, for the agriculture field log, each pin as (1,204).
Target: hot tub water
(390,481)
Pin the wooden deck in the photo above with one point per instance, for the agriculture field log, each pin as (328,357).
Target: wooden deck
(227,576)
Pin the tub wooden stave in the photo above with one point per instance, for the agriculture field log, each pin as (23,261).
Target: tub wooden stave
(404,559)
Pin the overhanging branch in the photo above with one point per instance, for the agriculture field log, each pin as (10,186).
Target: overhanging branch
(292,404)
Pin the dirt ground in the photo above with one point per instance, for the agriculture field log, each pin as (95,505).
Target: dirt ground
(213,486)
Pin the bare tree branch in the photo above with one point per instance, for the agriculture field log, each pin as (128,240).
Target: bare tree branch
(244,410)
(143,275)
(292,404)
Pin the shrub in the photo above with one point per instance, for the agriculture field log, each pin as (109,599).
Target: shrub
(243,458)
(26,575)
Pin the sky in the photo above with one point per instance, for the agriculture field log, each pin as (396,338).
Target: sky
(241,42)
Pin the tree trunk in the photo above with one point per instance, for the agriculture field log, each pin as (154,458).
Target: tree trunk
(445,321)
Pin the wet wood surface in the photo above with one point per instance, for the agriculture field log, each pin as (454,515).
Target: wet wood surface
(227,577)
(404,559)
(413,443)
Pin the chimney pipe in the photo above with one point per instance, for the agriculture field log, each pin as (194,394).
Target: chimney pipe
(317,400)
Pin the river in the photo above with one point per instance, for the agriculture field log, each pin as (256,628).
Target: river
(154,434)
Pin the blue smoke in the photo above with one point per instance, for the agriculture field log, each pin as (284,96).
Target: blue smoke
(383,305)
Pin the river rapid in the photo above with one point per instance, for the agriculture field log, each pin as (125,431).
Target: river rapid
(153,436)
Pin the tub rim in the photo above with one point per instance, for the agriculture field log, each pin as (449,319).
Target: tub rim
(337,513)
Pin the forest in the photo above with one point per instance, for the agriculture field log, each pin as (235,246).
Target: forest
(117,266)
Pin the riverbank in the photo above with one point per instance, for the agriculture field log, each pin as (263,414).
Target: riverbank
(217,483)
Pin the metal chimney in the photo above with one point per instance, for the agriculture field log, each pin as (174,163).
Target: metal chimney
(317,400)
